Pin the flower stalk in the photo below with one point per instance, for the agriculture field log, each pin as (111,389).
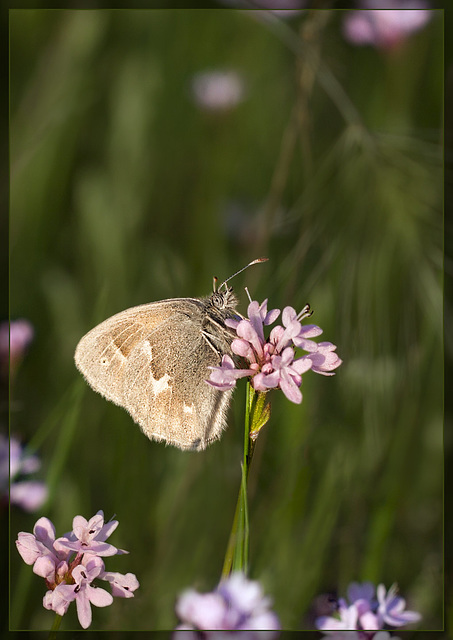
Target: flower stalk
(55,627)
(267,363)
(257,413)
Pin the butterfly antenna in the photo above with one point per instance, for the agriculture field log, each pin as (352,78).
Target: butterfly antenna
(243,269)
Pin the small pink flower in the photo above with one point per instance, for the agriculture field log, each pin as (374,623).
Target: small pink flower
(86,595)
(391,609)
(219,90)
(89,536)
(14,464)
(272,361)
(60,598)
(365,613)
(123,586)
(40,544)
(236,604)
(15,337)
(69,579)
(388,26)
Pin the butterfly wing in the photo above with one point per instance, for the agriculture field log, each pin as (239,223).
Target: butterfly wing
(153,360)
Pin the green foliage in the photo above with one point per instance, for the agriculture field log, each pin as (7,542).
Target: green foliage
(124,191)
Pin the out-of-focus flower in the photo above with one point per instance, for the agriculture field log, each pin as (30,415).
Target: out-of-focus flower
(15,337)
(391,609)
(30,495)
(366,615)
(271,362)
(388,26)
(71,578)
(236,604)
(218,90)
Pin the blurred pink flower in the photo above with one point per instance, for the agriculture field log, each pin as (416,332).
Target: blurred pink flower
(387,26)
(15,337)
(30,495)
(236,604)
(218,90)
(365,612)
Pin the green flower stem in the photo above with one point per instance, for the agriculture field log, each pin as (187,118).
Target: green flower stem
(55,627)
(256,416)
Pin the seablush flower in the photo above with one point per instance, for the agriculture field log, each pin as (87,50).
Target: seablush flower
(271,362)
(123,586)
(236,604)
(30,495)
(70,577)
(88,536)
(367,615)
(86,594)
(387,26)
(15,337)
(391,609)
(38,548)
(219,90)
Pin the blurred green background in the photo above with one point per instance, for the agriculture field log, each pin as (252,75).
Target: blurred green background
(126,190)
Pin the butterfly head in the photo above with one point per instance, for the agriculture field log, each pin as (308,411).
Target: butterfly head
(223,299)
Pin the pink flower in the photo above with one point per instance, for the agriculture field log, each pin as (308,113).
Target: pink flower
(365,613)
(391,609)
(60,598)
(86,594)
(236,604)
(123,586)
(72,579)
(272,361)
(38,548)
(14,463)
(387,26)
(15,337)
(89,536)
(219,90)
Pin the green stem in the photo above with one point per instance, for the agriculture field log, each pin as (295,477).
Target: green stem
(55,627)
(236,557)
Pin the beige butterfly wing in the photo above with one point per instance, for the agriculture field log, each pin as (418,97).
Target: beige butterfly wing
(153,360)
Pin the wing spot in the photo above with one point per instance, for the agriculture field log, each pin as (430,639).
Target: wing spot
(161,384)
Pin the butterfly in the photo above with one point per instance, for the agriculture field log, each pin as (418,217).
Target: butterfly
(153,360)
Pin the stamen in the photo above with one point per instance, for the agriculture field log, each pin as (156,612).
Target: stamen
(305,313)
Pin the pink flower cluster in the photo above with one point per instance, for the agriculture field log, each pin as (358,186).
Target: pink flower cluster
(271,361)
(367,614)
(388,25)
(236,604)
(72,579)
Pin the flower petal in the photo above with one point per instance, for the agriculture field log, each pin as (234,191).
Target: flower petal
(83,609)
(99,596)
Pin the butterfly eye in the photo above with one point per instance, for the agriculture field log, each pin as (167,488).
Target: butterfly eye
(218,300)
